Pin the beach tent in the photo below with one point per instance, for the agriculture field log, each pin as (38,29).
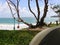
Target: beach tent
(47,37)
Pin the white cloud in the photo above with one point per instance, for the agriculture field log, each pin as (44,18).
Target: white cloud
(4,10)
(50,12)
(24,12)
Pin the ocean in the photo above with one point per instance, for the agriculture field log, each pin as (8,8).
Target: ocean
(8,23)
(27,19)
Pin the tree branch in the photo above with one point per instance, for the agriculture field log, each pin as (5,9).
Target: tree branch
(17,11)
(31,10)
(45,10)
(12,3)
(38,10)
(10,9)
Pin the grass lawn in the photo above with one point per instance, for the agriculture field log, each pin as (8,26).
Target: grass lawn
(16,37)
(54,25)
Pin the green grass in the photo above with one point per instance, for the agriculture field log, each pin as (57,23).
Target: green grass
(16,37)
(54,25)
(20,37)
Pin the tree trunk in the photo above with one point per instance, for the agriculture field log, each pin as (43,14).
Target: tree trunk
(31,10)
(44,14)
(39,22)
(38,10)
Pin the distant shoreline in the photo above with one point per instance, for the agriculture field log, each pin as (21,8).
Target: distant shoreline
(8,26)
(11,26)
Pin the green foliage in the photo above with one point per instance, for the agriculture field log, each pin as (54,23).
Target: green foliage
(56,8)
(16,37)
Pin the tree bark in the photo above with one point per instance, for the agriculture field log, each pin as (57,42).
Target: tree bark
(31,10)
(45,13)
(38,10)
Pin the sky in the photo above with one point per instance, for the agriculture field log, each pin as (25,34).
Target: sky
(24,10)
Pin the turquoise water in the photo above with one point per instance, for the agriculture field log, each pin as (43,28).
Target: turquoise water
(27,19)
(11,20)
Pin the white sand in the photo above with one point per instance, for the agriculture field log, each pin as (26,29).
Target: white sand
(10,26)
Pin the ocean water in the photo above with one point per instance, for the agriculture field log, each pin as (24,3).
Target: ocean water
(27,19)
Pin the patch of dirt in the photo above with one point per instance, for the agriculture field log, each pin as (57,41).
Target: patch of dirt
(37,29)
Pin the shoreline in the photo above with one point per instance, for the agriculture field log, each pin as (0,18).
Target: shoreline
(11,26)
(21,26)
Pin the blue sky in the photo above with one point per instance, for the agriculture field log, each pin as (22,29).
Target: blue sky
(24,11)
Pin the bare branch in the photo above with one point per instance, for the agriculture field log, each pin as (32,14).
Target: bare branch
(10,9)
(21,20)
(45,10)
(9,2)
(38,9)
(18,3)
(12,3)
(31,10)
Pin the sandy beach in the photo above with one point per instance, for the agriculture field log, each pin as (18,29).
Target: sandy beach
(10,26)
